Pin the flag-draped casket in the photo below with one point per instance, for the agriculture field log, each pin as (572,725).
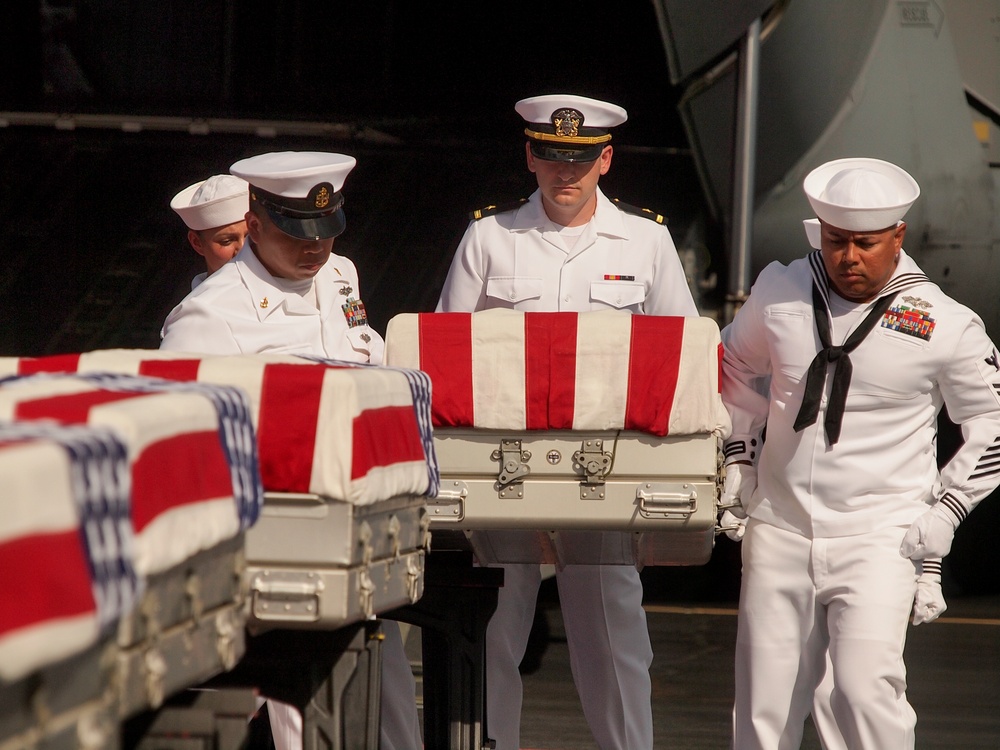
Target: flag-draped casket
(346,459)
(300,482)
(91,537)
(568,424)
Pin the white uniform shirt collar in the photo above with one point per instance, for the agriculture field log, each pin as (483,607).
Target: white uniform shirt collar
(266,295)
(607,220)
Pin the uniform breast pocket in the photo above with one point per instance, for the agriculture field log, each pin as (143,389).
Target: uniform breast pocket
(365,342)
(890,366)
(791,335)
(901,342)
(507,291)
(284,347)
(617,295)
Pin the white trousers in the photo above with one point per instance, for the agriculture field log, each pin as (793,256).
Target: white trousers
(802,597)
(400,726)
(609,650)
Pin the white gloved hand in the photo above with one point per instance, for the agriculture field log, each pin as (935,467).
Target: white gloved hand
(734,526)
(930,535)
(741,481)
(928,603)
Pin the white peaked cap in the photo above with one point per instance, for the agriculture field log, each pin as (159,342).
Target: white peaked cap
(860,195)
(596,114)
(300,190)
(293,174)
(216,202)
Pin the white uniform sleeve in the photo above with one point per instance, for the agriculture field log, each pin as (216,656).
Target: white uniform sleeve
(192,327)
(970,386)
(670,293)
(746,371)
(465,287)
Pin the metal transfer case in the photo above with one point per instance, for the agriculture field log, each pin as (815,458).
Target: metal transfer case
(552,429)
(187,627)
(563,486)
(318,563)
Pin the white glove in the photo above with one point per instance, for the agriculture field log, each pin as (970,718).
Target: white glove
(741,481)
(928,603)
(930,535)
(734,526)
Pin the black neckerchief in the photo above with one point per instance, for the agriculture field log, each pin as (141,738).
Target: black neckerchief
(829,354)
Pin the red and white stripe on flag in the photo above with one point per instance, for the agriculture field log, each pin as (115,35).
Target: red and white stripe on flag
(349,433)
(49,612)
(182,490)
(504,369)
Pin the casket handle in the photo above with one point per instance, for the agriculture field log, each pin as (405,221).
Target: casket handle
(667,499)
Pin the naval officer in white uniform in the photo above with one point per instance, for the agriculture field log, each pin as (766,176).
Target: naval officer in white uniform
(570,248)
(845,499)
(286,291)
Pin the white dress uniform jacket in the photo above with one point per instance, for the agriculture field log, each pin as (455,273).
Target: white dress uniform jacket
(516,259)
(927,350)
(239,309)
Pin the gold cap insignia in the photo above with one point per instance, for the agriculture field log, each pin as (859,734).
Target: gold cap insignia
(567,122)
(263,303)
(322,198)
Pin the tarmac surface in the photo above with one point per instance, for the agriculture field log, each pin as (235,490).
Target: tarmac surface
(953,674)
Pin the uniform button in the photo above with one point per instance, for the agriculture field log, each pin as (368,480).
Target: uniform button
(618,301)
(513,296)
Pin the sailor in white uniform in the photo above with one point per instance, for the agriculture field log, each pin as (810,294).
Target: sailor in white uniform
(845,500)
(287,292)
(570,248)
(214,211)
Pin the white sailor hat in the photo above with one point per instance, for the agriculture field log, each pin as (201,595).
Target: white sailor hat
(300,190)
(566,127)
(219,201)
(860,195)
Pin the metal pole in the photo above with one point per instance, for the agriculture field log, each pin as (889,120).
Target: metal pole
(743,170)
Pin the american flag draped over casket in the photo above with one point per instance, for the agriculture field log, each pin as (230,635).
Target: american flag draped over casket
(352,432)
(598,370)
(66,539)
(192,460)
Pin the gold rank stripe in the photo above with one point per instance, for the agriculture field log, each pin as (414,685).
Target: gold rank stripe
(579,140)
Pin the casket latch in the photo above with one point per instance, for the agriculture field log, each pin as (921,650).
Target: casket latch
(513,468)
(594,463)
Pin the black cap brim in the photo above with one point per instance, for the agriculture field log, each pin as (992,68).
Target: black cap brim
(549,152)
(315,228)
